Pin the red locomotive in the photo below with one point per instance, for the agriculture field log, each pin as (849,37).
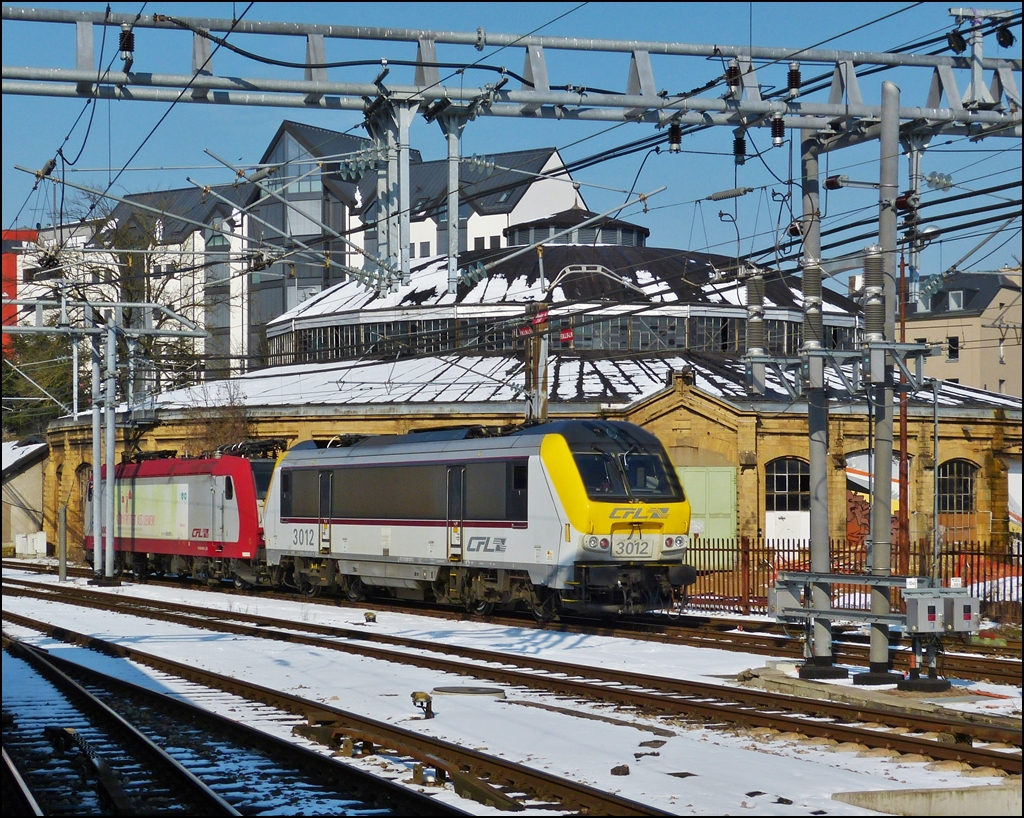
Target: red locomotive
(197,516)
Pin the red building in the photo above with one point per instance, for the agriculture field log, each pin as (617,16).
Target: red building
(12,240)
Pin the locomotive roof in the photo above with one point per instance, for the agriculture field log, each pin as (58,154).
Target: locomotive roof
(520,442)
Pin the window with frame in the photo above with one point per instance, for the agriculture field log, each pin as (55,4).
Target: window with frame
(956,479)
(787,485)
(953,348)
(956,300)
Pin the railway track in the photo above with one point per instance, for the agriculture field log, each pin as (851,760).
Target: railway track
(77,756)
(491,780)
(976,662)
(979,742)
(237,770)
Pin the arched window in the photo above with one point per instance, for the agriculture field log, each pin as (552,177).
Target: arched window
(956,486)
(787,485)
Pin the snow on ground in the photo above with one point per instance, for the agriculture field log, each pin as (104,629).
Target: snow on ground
(695,771)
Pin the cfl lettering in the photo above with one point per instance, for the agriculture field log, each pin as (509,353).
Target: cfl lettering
(638,513)
(488,545)
(200,533)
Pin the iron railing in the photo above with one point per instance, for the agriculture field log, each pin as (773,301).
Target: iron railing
(734,575)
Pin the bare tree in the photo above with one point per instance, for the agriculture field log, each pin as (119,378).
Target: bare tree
(216,418)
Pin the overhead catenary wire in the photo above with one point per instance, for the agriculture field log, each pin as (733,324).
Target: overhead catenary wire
(776,177)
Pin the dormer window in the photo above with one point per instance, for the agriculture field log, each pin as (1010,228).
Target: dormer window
(956,300)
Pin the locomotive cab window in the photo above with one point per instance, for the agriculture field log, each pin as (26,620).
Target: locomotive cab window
(229,489)
(262,471)
(640,476)
(601,476)
(650,479)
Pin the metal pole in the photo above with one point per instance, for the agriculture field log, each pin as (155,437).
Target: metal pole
(903,526)
(406,112)
(882,393)
(452,125)
(97,459)
(74,375)
(110,408)
(915,146)
(936,384)
(821,659)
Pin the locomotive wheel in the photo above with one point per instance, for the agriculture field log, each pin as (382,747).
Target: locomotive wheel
(544,612)
(241,584)
(309,589)
(481,608)
(355,591)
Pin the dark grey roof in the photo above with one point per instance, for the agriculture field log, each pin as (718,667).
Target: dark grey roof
(480,190)
(686,274)
(979,290)
(572,217)
(191,203)
(322,142)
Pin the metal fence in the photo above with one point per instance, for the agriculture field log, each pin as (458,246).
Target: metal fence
(733,576)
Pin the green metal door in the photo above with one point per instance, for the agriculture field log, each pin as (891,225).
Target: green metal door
(711,491)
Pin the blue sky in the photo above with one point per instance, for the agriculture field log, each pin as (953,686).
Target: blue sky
(35,127)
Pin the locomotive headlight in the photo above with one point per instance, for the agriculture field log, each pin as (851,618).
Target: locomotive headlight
(605,543)
(680,541)
(591,542)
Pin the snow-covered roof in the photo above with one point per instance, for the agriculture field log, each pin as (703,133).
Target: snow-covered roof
(445,379)
(20,453)
(576,383)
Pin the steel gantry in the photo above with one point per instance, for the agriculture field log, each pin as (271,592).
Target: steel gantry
(389,108)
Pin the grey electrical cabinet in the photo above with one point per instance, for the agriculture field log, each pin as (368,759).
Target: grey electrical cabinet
(926,610)
(963,611)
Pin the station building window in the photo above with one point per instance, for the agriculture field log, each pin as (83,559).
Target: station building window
(787,485)
(956,486)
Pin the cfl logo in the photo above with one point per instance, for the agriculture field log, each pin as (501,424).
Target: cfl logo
(487,545)
(638,513)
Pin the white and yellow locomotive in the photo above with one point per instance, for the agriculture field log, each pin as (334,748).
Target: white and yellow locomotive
(574,515)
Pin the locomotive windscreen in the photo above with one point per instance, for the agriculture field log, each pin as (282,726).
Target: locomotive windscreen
(614,477)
